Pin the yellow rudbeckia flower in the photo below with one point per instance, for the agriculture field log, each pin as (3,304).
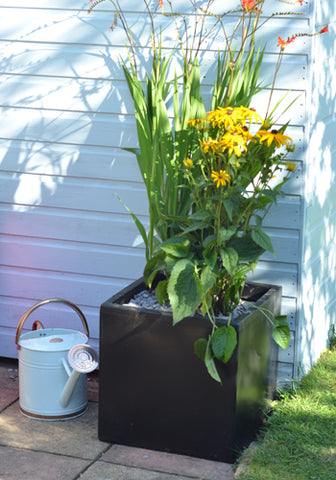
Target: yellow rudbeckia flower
(188,163)
(209,145)
(220,178)
(273,136)
(233,143)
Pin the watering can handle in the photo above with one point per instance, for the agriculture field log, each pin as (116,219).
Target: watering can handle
(45,302)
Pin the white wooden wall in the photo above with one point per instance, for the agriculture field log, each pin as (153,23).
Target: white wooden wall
(66,113)
(317,303)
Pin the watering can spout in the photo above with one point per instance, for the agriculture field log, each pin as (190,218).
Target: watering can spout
(83,359)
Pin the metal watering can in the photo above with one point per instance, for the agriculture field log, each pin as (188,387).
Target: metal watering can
(49,388)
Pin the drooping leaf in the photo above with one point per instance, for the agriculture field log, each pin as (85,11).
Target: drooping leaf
(161,291)
(246,248)
(229,258)
(185,290)
(210,363)
(281,332)
(208,278)
(177,247)
(200,347)
(262,239)
(223,342)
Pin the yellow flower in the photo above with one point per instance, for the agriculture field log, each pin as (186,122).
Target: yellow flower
(291,166)
(290,147)
(199,123)
(230,117)
(220,178)
(273,136)
(222,117)
(234,143)
(249,113)
(188,162)
(209,145)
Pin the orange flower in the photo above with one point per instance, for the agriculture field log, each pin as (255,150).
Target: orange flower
(161,5)
(248,4)
(324,30)
(282,43)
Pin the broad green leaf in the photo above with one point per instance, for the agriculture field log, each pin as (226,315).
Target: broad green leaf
(281,332)
(225,234)
(228,205)
(201,215)
(242,270)
(185,290)
(246,248)
(208,278)
(161,291)
(210,256)
(177,247)
(262,239)
(223,342)
(200,347)
(229,258)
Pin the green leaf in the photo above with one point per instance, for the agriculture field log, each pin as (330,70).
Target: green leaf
(262,239)
(208,278)
(177,247)
(281,332)
(228,205)
(225,234)
(185,290)
(242,270)
(210,256)
(161,291)
(246,248)
(140,227)
(200,347)
(201,215)
(210,363)
(229,258)
(223,342)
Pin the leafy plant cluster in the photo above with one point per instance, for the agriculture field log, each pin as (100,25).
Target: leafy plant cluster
(209,177)
(220,239)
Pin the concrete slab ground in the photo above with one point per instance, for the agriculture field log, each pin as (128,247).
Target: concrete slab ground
(70,450)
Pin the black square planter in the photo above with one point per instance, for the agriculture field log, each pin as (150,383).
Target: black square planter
(155,393)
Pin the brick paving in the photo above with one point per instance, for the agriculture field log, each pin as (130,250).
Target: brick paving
(70,450)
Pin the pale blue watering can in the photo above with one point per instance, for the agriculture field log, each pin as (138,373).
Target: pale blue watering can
(53,363)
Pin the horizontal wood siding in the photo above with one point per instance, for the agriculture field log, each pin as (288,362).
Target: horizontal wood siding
(66,113)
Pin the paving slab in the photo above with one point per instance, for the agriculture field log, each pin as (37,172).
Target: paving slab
(107,471)
(168,462)
(7,396)
(16,464)
(76,438)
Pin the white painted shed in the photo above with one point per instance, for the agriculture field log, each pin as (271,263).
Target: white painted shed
(66,114)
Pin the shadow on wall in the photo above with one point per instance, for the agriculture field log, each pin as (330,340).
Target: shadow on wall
(66,113)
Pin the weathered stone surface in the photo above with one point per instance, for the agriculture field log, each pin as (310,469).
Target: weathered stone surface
(167,462)
(18,464)
(107,471)
(77,437)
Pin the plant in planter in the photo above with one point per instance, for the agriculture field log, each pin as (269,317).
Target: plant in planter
(211,179)
(218,242)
